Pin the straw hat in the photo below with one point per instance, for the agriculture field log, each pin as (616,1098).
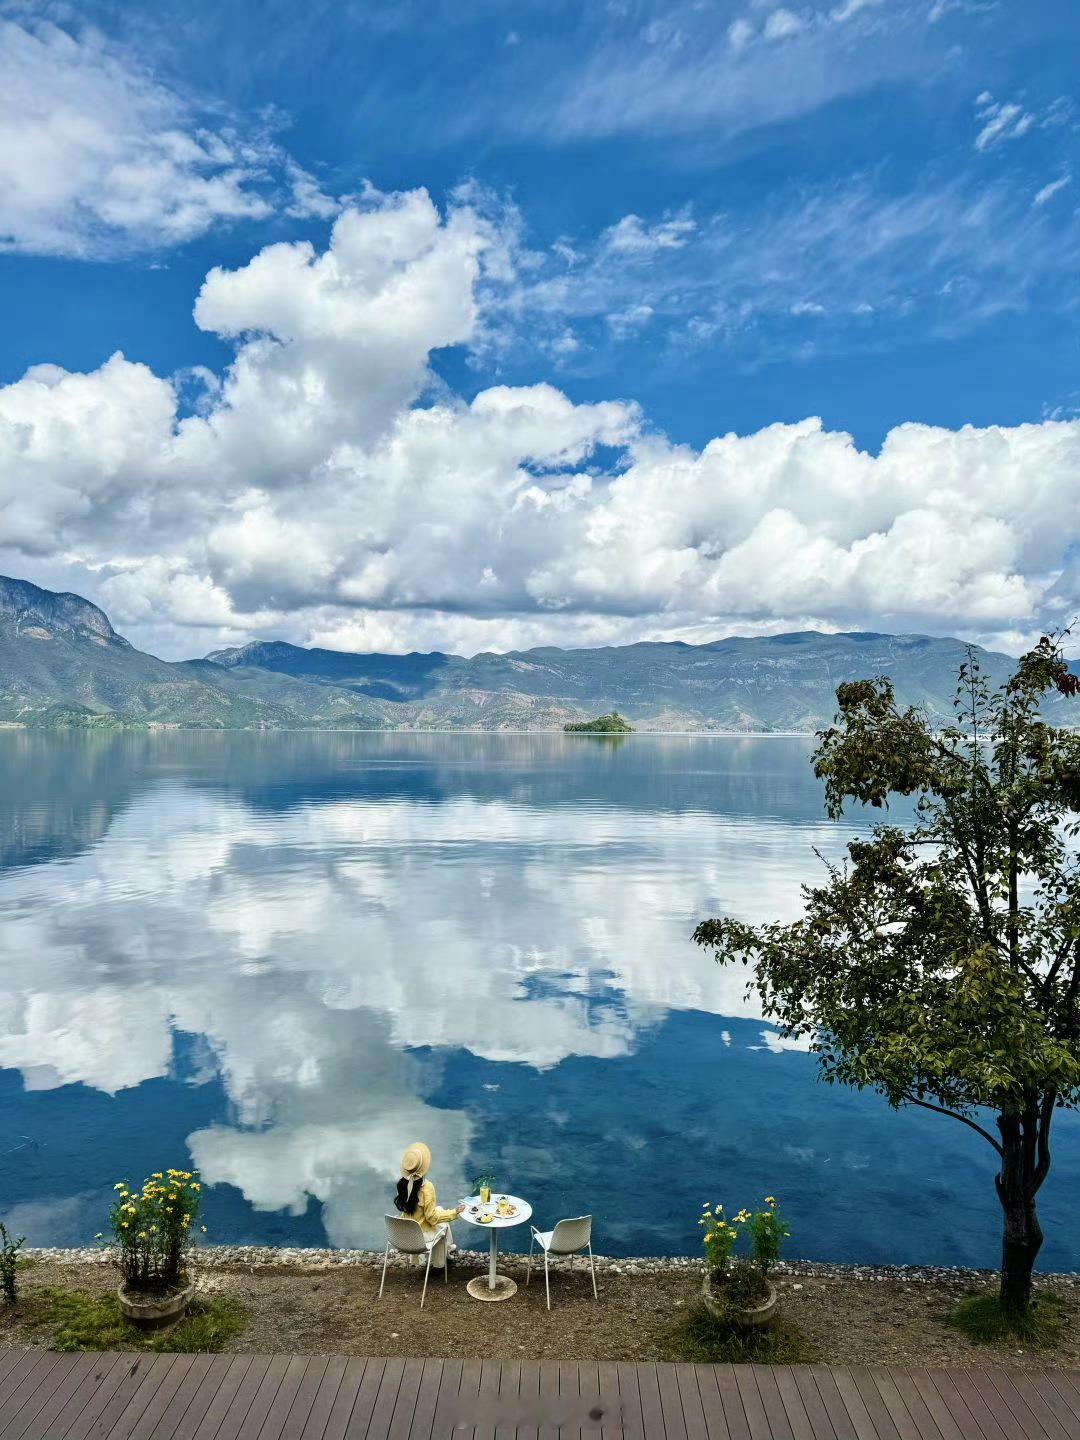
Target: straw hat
(416,1161)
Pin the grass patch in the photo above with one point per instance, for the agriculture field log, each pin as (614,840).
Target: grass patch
(703,1340)
(981,1318)
(80,1321)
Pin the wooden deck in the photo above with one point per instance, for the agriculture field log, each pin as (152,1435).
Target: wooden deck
(46,1396)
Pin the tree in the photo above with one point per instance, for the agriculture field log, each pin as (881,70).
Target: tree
(940,964)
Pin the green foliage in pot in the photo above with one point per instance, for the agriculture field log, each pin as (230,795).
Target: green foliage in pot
(9,1264)
(154,1230)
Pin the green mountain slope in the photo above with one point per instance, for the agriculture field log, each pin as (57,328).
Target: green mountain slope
(62,663)
(768,683)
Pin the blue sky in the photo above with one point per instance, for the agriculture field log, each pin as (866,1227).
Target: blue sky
(731,215)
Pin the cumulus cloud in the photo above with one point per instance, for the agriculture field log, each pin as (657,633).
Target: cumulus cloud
(97,156)
(331,488)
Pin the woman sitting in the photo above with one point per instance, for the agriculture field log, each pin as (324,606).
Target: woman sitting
(416,1198)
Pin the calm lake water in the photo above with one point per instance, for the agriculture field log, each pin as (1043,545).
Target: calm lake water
(283,957)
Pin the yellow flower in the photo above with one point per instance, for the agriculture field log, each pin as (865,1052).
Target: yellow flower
(124,1224)
(196,1186)
(119,1185)
(770,1199)
(203,1229)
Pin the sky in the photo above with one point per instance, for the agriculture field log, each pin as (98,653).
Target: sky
(476,326)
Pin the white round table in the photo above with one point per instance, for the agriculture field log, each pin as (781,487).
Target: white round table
(494,1286)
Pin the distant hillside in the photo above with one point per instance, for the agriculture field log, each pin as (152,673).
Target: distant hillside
(768,683)
(63,664)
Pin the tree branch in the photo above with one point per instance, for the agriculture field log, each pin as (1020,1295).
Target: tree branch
(964,1119)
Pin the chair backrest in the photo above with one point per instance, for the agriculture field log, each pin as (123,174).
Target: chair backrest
(405,1234)
(571,1235)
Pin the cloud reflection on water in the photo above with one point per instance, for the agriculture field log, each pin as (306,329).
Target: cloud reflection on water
(315,945)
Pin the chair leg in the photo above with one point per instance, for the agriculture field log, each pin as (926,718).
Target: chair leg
(427,1272)
(592,1267)
(385,1258)
(547,1280)
(528,1272)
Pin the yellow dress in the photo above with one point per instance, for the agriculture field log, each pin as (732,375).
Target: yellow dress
(431,1215)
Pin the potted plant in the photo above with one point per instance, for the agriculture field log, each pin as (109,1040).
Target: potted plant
(153,1236)
(483,1186)
(9,1264)
(739,1291)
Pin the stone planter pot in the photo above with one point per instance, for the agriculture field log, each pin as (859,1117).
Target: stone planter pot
(747,1318)
(155,1310)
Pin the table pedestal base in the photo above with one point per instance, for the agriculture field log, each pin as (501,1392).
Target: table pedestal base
(480,1289)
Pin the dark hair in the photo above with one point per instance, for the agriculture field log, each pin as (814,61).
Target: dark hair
(408,1192)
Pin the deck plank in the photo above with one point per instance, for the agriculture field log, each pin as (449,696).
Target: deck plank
(607,1380)
(426,1398)
(772,1400)
(49,1396)
(1035,1419)
(874,1403)
(510,1396)
(146,1427)
(630,1400)
(529,1394)
(401,1418)
(549,1389)
(385,1403)
(442,1426)
(821,1377)
(204,1377)
(810,1398)
(30,1370)
(915,1404)
(1054,1400)
(753,1405)
(958,1384)
(81,1380)
(296,1422)
(204,1418)
(24,1402)
(799,1418)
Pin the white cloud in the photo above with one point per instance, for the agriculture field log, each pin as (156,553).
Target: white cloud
(709,80)
(98,157)
(850,249)
(1000,121)
(331,489)
(1049,190)
(783,23)
(631,236)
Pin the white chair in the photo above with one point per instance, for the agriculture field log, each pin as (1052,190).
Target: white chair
(408,1238)
(568,1237)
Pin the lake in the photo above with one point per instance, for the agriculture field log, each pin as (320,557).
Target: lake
(283,957)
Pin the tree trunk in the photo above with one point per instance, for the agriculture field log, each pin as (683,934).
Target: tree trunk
(1022,1172)
(1021,1242)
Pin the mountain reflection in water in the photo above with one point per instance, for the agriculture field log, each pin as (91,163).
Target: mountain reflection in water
(288,955)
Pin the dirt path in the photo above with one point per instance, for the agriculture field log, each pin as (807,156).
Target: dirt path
(845,1320)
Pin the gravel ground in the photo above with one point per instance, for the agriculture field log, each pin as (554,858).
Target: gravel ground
(318,1301)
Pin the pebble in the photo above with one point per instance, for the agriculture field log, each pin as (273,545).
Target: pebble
(254,1257)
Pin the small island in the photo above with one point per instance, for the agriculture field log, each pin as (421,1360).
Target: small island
(612,724)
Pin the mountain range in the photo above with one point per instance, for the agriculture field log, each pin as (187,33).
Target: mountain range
(62,663)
